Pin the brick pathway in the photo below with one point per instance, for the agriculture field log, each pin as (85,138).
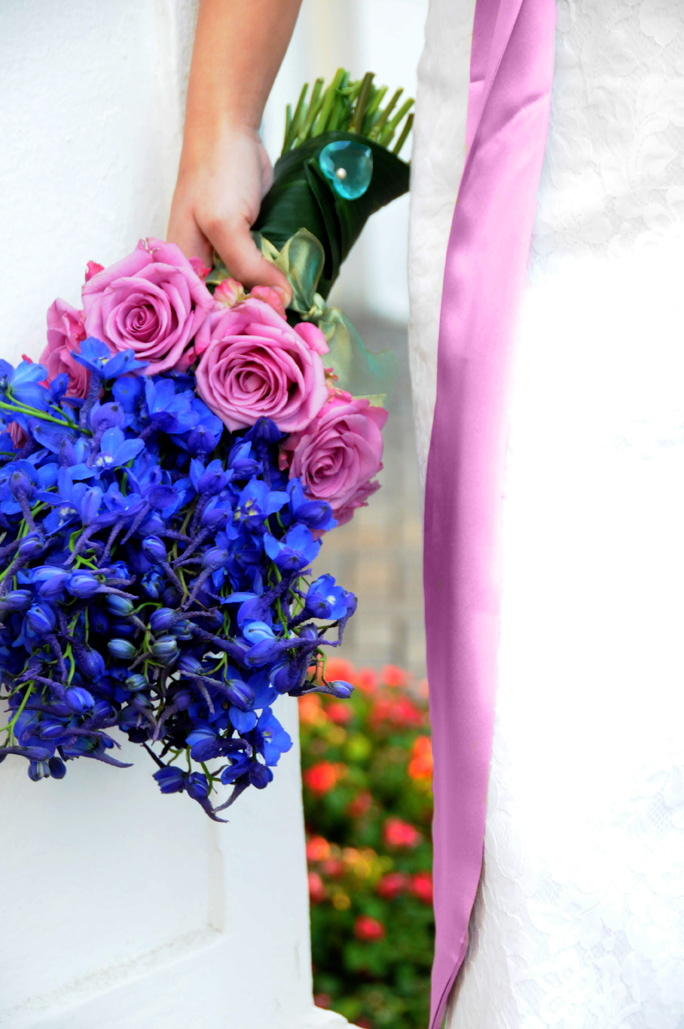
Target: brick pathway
(378,555)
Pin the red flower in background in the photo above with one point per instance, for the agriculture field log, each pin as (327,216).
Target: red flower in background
(391,885)
(398,711)
(339,712)
(392,675)
(317,849)
(360,804)
(421,886)
(333,867)
(321,778)
(339,668)
(398,833)
(316,888)
(420,765)
(366,680)
(368,929)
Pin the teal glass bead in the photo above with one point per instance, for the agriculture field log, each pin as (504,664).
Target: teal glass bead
(348,166)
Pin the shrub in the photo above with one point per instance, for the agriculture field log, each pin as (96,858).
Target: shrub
(367,772)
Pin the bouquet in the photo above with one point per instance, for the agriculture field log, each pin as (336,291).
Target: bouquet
(168,471)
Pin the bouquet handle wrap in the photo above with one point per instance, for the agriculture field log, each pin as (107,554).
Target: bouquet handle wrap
(302,198)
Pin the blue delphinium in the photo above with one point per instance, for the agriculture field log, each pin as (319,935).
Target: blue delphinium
(154,579)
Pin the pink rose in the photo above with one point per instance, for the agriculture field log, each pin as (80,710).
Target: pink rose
(270,295)
(338,454)
(229,292)
(151,302)
(65,333)
(253,365)
(92,268)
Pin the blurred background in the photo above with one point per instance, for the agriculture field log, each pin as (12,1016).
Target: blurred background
(378,554)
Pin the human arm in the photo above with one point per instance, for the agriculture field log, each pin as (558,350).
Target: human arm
(224,171)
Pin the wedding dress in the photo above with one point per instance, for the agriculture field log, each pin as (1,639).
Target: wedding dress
(579,918)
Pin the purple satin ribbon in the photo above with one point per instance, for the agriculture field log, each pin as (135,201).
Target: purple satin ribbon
(508,110)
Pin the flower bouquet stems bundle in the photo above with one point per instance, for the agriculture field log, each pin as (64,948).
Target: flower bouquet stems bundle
(167,473)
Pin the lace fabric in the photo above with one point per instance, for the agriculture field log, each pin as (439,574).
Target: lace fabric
(579,919)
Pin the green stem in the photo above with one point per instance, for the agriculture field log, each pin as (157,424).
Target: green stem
(10,725)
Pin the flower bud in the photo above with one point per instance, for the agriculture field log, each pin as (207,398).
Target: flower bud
(154,549)
(214,558)
(120,606)
(31,546)
(57,768)
(153,584)
(83,585)
(38,770)
(197,786)
(134,683)
(50,581)
(259,775)
(17,600)
(19,483)
(170,779)
(121,649)
(165,649)
(90,662)
(340,688)
(41,619)
(79,699)
(240,692)
(190,664)
(162,619)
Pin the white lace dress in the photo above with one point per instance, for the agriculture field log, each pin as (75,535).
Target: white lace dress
(579,919)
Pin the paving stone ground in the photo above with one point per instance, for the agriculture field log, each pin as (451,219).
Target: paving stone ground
(378,555)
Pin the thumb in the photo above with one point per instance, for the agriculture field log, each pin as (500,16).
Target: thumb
(241,256)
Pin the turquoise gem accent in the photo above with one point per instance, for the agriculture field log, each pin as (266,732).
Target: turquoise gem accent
(348,166)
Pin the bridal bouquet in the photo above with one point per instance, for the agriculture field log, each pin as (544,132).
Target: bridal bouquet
(168,471)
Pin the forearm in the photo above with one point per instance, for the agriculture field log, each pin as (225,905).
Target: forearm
(239,46)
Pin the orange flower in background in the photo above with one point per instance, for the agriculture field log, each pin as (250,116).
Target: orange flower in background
(421,886)
(366,680)
(321,777)
(317,849)
(392,675)
(420,765)
(398,833)
(368,929)
(339,668)
(391,885)
(360,804)
(310,709)
(339,712)
(316,888)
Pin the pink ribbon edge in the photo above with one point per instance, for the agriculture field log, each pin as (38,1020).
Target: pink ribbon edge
(495,23)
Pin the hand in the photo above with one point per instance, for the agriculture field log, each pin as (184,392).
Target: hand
(219,190)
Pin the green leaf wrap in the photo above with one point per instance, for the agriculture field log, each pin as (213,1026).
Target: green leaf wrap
(302,197)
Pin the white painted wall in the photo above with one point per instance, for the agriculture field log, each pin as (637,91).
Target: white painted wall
(123,909)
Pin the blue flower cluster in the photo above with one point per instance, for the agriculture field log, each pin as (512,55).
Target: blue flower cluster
(154,578)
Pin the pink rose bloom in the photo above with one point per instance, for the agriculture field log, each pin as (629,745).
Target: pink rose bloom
(151,302)
(270,295)
(253,365)
(92,268)
(65,333)
(338,454)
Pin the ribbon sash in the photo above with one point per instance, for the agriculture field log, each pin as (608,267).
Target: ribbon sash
(508,112)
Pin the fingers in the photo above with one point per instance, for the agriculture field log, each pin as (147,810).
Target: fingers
(241,256)
(184,231)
